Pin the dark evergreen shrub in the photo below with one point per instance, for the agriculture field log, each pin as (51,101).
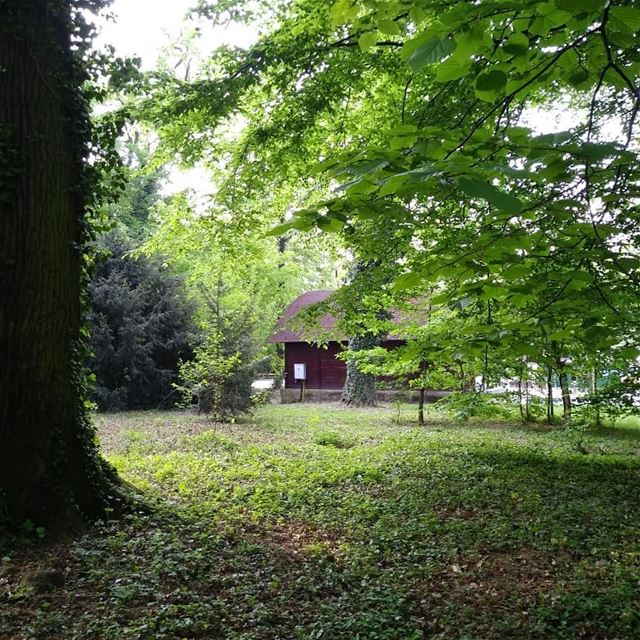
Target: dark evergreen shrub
(140,329)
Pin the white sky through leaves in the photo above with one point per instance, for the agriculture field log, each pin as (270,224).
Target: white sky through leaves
(143,27)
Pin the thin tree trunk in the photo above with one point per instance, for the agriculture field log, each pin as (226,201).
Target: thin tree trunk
(566,393)
(550,395)
(485,366)
(520,397)
(49,469)
(594,389)
(421,408)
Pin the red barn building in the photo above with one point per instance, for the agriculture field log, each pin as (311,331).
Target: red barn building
(325,373)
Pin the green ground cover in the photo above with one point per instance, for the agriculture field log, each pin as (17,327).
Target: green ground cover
(322,522)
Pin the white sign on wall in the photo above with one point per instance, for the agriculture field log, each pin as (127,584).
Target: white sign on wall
(300,371)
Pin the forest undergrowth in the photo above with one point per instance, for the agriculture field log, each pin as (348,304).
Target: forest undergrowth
(316,521)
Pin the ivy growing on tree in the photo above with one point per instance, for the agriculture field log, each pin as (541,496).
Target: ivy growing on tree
(50,470)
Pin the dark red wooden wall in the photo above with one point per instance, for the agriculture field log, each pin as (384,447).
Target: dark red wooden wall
(324,370)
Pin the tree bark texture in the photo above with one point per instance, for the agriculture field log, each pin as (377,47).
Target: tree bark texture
(566,394)
(49,468)
(359,387)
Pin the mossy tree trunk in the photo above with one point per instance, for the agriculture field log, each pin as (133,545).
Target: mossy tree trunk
(359,387)
(50,471)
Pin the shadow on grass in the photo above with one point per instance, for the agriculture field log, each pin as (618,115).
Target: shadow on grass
(405,539)
(620,433)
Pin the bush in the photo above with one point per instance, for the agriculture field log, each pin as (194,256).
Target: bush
(333,439)
(140,328)
(618,398)
(219,382)
(471,404)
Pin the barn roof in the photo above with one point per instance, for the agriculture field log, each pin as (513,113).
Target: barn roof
(323,326)
(325,323)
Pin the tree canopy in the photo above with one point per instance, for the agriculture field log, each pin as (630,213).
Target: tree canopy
(422,133)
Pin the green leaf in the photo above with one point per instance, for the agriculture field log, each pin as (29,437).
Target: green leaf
(625,19)
(541,26)
(578,77)
(463,303)
(583,276)
(279,230)
(392,185)
(499,199)
(516,271)
(490,84)
(598,151)
(368,40)
(516,45)
(452,69)
(525,349)
(492,80)
(366,213)
(343,11)
(403,130)
(433,50)
(597,334)
(389,28)
(558,18)
(407,281)
(578,7)
(562,334)
(302,224)
(470,42)
(519,300)
(367,167)
(330,225)
(359,187)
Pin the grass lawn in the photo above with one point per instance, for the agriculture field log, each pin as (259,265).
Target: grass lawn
(316,522)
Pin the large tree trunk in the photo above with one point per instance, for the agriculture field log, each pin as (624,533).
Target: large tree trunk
(359,387)
(49,469)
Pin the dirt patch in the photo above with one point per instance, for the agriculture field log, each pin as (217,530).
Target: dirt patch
(523,574)
(510,582)
(55,557)
(296,539)
(299,538)
(19,600)
(120,432)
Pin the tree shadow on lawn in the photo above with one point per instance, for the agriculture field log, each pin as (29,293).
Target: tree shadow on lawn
(495,543)
(167,577)
(621,433)
(478,544)
(597,440)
